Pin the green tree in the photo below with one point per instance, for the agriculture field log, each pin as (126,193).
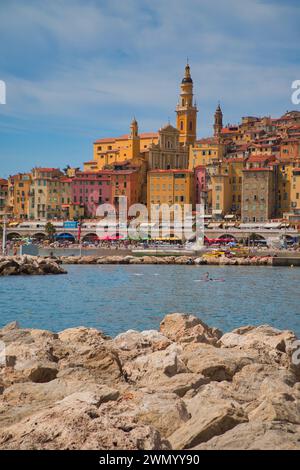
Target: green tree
(50,230)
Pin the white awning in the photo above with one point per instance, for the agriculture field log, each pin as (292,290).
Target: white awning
(214,225)
(251,225)
(273,225)
(229,216)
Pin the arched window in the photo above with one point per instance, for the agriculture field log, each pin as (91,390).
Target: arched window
(191,125)
(181,125)
(182,102)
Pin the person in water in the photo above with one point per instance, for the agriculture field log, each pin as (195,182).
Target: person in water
(206,277)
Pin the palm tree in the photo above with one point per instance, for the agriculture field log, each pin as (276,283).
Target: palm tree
(50,230)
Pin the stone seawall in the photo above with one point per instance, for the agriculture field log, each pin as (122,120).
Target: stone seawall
(29,265)
(186,386)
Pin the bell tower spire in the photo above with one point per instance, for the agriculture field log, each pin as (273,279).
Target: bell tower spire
(218,124)
(134,140)
(186,110)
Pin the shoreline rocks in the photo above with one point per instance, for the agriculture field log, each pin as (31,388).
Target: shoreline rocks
(186,386)
(29,265)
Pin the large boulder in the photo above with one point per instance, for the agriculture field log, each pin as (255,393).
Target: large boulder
(79,425)
(278,407)
(255,381)
(146,368)
(184,328)
(210,420)
(256,436)
(163,410)
(82,336)
(134,343)
(268,343)
(216,363)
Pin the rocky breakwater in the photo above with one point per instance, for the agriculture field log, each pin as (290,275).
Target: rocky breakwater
(186,386)
(30,265)
(188,260)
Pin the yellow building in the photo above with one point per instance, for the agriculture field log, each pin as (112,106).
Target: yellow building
(285,169)
(220,193)
(119,149)
(226,187)
(295,191)
(170,187)
(45,193)
(186,110)
(18,195)
(235,173)
(206,152)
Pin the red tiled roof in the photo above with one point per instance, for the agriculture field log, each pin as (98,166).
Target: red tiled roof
(105,140)
(261,158)
(143,135)
(66,180)
(148,135)
(47,170)
(234,160)
(242,147)
(230,130)
(207,140)
(3,182)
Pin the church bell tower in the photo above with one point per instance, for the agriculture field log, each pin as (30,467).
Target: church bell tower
(186,110)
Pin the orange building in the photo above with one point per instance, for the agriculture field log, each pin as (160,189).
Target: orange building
(113,150)
(170,187)
(18,194)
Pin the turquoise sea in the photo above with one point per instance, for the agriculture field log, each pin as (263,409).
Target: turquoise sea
(117,298)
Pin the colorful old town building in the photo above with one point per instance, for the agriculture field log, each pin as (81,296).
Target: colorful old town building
(44,198)
(205,152)
(295,193)
(89,190)
(18,193)
(258,195)
(170,187)
(3,197)
(108,151)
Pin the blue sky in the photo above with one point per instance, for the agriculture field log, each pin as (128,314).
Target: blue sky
(77,70)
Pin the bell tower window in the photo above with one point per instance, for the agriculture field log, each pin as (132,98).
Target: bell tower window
(182,102)
(181,125)
(191,125)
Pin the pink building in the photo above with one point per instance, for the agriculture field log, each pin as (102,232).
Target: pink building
(201,180)
(90,189)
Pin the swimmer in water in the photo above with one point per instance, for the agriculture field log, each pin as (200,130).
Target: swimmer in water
(206,277)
